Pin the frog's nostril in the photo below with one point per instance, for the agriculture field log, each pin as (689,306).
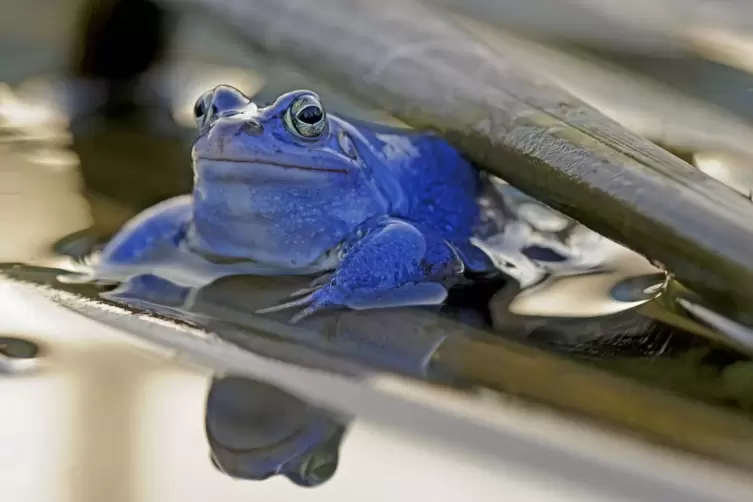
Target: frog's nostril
(251,128)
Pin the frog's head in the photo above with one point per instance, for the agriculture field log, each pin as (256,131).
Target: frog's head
(279,184)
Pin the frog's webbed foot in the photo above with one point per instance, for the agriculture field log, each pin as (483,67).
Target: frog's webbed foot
(394,265)
(311,303)
(308,299)
(426,293)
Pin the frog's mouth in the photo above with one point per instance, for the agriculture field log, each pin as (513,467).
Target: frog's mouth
(262,163)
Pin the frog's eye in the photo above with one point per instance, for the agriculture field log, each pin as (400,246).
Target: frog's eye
(306,117)
(315,468)
(199,109)
(202,109)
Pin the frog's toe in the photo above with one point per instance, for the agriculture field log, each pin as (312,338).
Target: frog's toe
(312,302)
(314,285)
(322,280)
(85,277)
(304,291)
(304,313)
(301,302)
(75,278)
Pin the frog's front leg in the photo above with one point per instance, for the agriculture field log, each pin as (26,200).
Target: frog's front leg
(393,264)
(159,226)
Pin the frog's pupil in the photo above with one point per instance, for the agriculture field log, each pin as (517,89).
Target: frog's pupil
(310,115)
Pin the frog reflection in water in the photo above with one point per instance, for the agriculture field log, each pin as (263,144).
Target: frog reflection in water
(256,431)
(383,216)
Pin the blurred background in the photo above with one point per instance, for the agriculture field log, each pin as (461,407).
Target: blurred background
(96,100)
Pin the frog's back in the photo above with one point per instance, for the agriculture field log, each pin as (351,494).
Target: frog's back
(435,185)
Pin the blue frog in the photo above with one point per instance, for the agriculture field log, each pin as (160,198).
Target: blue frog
(381,215)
